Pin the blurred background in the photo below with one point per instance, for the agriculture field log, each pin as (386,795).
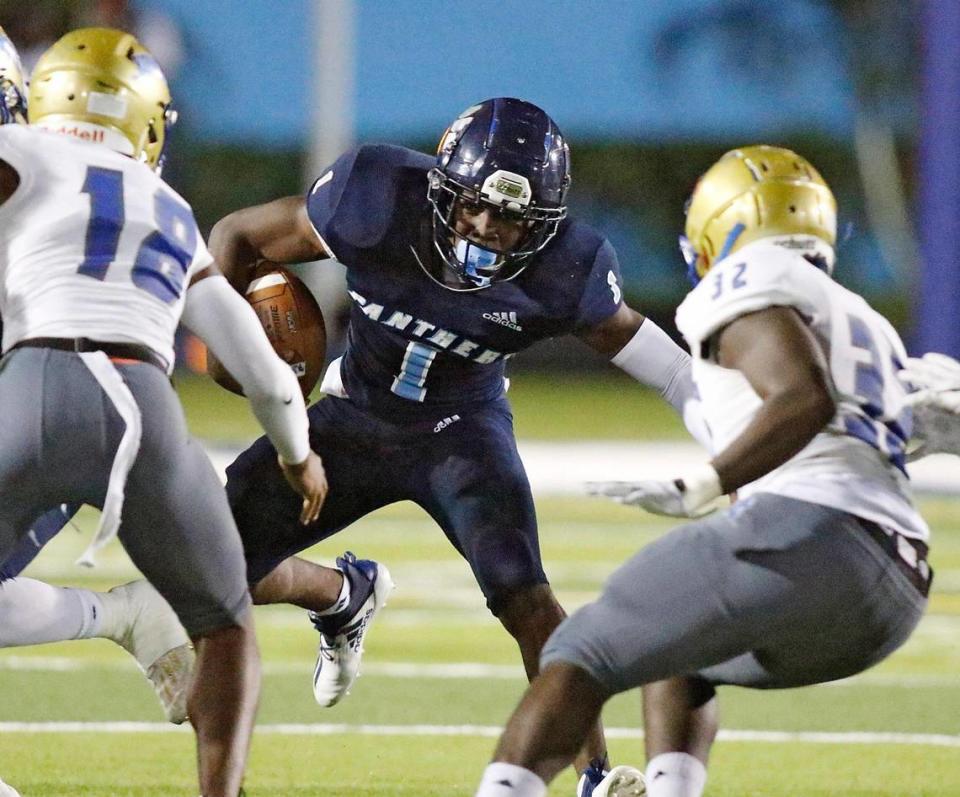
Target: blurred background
(649,92)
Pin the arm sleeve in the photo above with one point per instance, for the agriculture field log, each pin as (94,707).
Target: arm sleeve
(227,324)
(652,358)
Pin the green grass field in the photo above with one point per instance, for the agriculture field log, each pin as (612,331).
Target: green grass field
(441,676)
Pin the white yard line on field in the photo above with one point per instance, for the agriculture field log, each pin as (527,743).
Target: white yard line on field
(463,670)
(488,731)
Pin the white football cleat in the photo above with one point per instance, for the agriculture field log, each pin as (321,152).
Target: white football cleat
(341,634)
(150,632)
(621,781)
(7,790)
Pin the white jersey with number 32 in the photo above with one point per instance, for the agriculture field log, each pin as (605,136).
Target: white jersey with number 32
(92,244)
(857,463)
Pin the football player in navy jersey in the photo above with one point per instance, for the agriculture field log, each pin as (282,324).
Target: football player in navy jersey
(453,264)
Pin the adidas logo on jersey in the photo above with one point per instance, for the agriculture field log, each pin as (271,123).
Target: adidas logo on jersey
(505,319)
(445,423)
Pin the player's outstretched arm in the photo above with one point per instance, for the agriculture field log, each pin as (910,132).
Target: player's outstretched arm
(220,317)
(784,365)
(279,231)
(643,350)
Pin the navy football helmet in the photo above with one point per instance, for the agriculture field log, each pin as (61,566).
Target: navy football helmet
(509,156)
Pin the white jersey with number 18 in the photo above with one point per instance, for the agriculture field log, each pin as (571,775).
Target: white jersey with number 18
(857,463)
(92,244)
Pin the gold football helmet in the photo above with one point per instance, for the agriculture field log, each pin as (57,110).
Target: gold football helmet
(757,192)
(106,81)
(13,93)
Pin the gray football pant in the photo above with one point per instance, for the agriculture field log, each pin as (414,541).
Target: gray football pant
(771,593)
(59,432)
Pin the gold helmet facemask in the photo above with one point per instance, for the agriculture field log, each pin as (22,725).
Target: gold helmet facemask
(102,84)
(758,192)
(13,93)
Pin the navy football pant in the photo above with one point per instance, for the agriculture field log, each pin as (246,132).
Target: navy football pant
(44,529)
(466,473)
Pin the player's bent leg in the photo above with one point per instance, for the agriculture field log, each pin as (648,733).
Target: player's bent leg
(222,705)
(679,715)
(478,493)
(301,583)
(144,625)
(344,626)
(33,612)
(559,710)
(179,532)
(134,616)
(341,601)
(531,614)
(680,725)
(43,529)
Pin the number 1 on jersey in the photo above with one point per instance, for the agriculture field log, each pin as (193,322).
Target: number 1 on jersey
(417,360)
(105,187)
(163,256)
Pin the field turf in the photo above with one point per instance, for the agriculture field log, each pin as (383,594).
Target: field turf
(441,676)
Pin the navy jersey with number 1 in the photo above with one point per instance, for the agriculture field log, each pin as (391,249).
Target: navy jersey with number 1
(413,344)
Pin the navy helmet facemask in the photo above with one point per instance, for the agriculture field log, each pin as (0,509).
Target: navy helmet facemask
(508,156)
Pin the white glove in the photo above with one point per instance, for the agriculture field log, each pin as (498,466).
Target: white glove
(936,429)
(936,381)
(690,495)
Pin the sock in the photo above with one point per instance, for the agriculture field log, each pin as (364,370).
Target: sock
(509,780)
(342,601)
(675,775)
(34,612)
(114,615)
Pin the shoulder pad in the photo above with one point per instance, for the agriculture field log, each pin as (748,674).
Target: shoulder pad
(757,277)
(352,203)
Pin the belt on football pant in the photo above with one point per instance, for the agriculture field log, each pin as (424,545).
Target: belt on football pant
(910,555)
(120,351)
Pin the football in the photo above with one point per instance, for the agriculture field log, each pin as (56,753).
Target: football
(293,322)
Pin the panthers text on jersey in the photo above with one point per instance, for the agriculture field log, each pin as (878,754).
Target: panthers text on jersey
(413,345)
(93,244)
(857,463)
